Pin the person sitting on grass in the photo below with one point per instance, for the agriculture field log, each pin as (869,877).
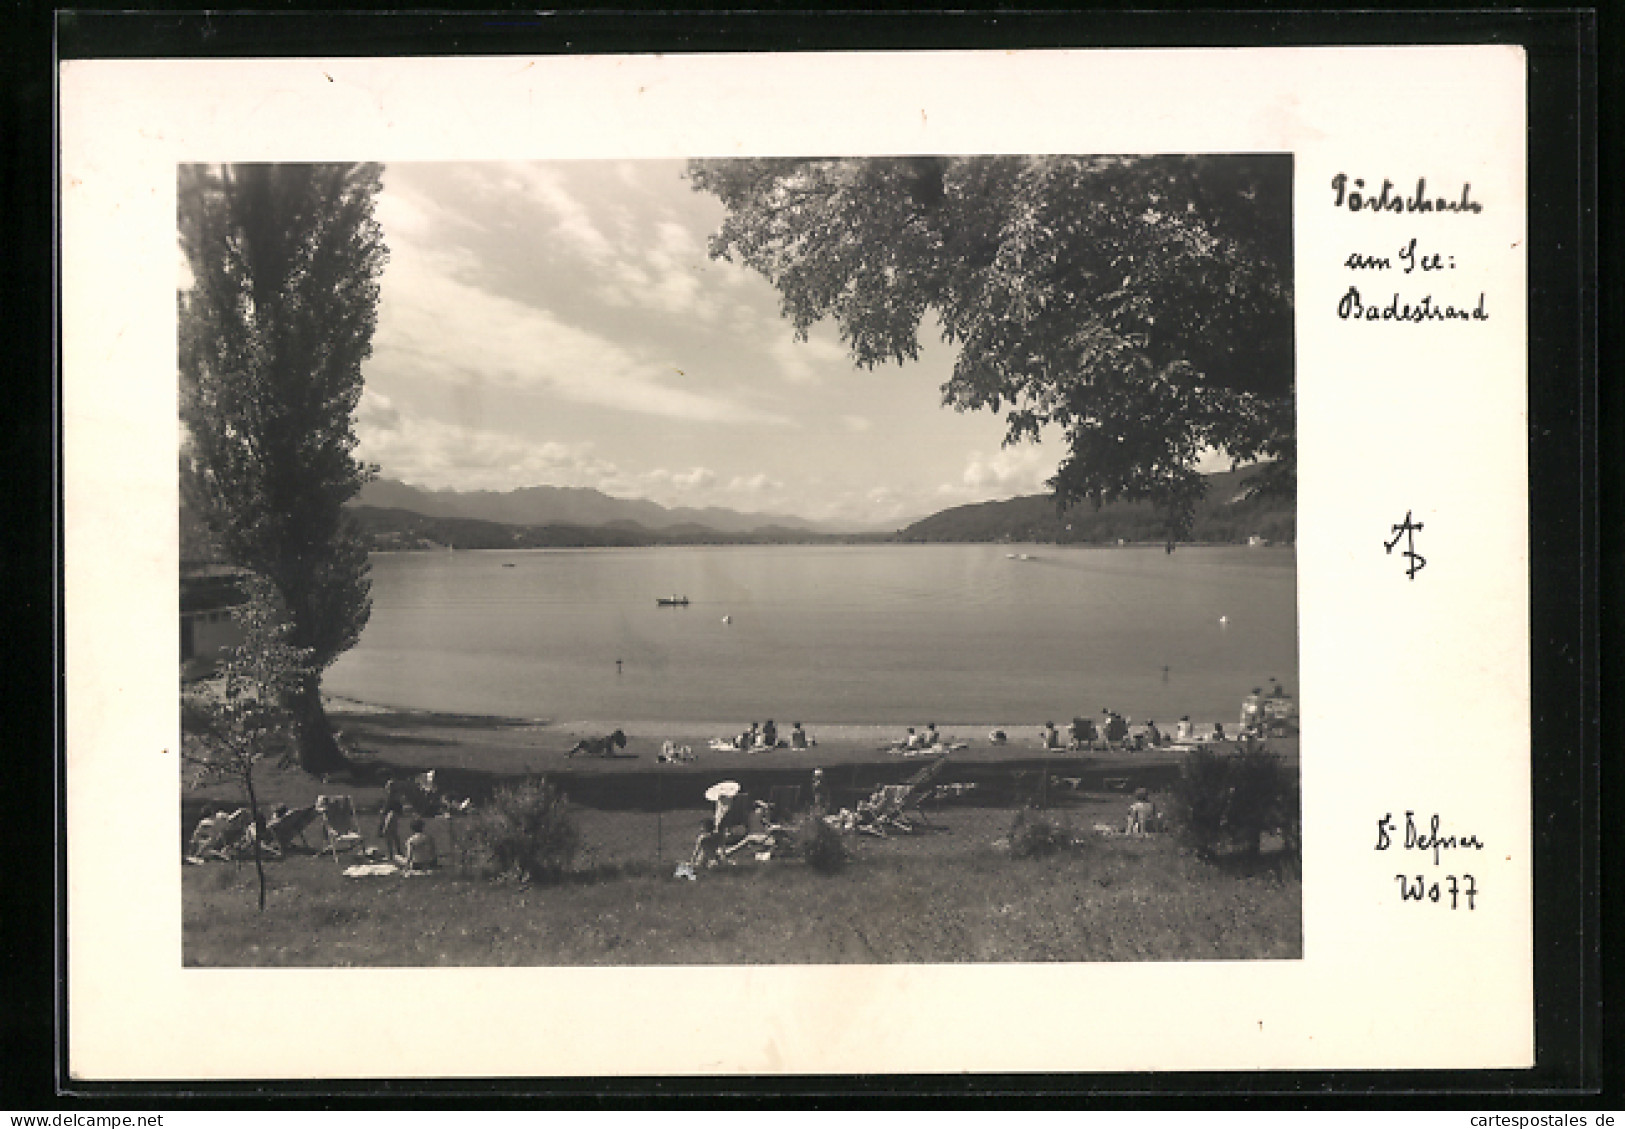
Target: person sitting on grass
(931,738)
(760,832)
(1142,814)
(1083,734)
(1153,735)
(725,825)
(1051,737)
(798,736)
(770,735)
(420,849)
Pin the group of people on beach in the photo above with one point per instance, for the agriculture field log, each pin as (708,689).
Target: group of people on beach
(766,736)
(927,739)
(1112,729)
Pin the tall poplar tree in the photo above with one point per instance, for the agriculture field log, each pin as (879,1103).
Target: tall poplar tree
(1142,305)
(274,328)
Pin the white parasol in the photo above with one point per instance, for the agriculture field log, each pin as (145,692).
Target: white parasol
(717,791)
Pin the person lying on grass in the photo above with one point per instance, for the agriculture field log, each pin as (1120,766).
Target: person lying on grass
(420,849)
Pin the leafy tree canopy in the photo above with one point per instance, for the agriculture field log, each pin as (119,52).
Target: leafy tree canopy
(285,262)
(1143,305)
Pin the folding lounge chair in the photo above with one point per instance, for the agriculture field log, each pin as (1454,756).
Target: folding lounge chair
(921,786)
(290,825)
(892,803)
(339,825)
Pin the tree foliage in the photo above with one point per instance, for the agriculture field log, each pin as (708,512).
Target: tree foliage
(1140,304)
(239,719)
(285,262)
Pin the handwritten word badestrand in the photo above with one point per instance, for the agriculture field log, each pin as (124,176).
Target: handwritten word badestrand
(1410,259)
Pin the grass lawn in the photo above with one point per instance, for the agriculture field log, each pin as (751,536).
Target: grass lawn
(938,897)
(947,895)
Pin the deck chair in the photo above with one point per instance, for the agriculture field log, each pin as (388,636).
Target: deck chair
(893,803)
(921,787)
(339,825)
(290,825)
(220,835)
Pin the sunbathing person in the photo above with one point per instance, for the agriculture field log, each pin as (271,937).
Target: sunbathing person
(216,834)
(725,825)
(420,849)
(761,832)
(1142,814)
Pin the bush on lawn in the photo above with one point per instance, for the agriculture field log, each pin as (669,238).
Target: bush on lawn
(1227,800)
(525,829)
(1035,836)
(822,848)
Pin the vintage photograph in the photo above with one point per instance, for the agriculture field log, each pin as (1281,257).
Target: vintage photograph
(739,561)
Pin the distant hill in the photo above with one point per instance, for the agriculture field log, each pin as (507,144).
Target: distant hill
(390,529)
(566,505)
(1222,516)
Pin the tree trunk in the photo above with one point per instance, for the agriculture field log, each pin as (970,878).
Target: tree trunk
(258,828)
(318,751)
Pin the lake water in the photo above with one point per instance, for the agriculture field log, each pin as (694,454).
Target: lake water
(894,634)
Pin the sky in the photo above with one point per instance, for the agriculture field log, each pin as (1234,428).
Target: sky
(560,323)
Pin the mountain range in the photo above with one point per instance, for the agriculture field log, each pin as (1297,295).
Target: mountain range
(569,505)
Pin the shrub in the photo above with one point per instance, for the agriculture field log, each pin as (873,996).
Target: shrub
(1228,800)
(527,830)
(1199,799)
(1037,836)
(822,847)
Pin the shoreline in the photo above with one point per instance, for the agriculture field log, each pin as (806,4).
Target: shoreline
(1018,733)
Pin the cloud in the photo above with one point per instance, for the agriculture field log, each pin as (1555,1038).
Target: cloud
(801,362)
(753,484)
(435,325)
(433,453)
(1020,468)
(695,478)
(544,186)
(857,423)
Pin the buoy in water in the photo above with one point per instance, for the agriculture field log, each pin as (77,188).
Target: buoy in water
(1224,620)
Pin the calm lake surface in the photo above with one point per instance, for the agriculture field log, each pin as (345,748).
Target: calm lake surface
(905,634)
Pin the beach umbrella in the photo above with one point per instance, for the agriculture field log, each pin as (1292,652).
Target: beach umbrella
(717,791)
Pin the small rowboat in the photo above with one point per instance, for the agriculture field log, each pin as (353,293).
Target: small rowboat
(672,601)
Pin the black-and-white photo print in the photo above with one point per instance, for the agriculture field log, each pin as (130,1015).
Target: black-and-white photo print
(813,560)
